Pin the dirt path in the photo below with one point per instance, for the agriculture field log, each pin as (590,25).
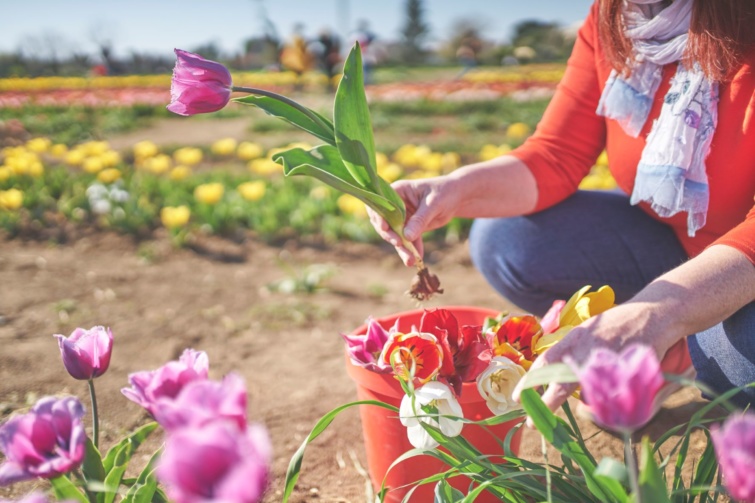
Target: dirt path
(159,301)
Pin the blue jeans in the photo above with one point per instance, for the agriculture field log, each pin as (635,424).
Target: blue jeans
(598,238)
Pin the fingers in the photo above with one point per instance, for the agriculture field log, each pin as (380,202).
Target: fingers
(385,232)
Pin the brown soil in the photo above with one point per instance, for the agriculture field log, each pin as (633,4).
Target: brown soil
(159,301)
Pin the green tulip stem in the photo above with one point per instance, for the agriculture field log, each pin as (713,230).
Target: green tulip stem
(413,250)
(306,111)
(631,467)
(95,417)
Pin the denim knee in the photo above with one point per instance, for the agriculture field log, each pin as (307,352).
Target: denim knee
(501,251)
(724,355)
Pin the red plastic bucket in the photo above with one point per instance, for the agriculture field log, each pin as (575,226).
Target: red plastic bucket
(385,437)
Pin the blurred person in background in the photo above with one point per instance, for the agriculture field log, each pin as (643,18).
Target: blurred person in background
(366,39)
(295,55)
(665,87)
(327,47)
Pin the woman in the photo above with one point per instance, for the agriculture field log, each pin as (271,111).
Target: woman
(667,89)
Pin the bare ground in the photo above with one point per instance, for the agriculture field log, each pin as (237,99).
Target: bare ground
(159,301)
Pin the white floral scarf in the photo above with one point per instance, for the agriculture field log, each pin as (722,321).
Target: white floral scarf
(671,174)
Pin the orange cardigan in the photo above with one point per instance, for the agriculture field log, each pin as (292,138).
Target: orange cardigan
(571,135)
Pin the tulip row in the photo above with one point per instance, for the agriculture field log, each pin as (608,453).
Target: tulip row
(91,183)
(210,448)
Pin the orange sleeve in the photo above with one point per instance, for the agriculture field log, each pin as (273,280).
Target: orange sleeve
(570,135)
(741,237)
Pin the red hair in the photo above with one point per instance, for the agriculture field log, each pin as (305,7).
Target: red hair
(720,33)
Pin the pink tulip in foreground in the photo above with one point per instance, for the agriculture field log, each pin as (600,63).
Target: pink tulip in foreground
(46,442)
(86,353)
(734,442)
(204,401)
(216,463)
(620,388)
(199,85)
(147,387)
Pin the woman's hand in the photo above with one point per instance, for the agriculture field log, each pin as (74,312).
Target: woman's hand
(430,203)
(632,322)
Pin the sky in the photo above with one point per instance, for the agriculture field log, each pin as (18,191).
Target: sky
(157,26)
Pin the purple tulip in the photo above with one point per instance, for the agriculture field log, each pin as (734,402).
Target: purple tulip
(365,349)
(46,442)
(149,386)
(86,353)
(620,388)
(216,463)
(199,85)
(201,402)
(735,449)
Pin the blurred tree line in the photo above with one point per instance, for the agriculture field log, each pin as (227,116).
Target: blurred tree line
(463,43)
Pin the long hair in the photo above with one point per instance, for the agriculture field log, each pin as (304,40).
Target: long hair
(720,33)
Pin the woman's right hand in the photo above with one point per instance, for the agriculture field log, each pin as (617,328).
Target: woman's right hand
(430,203)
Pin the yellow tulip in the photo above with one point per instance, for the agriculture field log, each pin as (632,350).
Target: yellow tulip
(158,164)
(173,217)
(188,156)
(488,152)
(252,191)
(5,173)
(209,193)
(602,159)
(381,160)
(95,148)
(74,157)
(39,145)
(264,166)
(390,172)
(108,175)
(518,131)
(432,162)
(583,305)
(450,161)
(92,165)
(36,169)
(59,150)
(247,151)
(110,158)
(11,199)
(180,173)
(144,150)
(224,147)
(351,205)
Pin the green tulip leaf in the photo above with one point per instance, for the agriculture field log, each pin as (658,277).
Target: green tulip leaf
(652,486)
(145,486)
(64,489)
(92,467)
(132,442)
(353,126)
(325,164)
(311,121)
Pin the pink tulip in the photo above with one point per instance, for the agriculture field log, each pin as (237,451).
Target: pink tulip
(620,388)
(86,353)
(216,463)
(199,85)
(735,449)
(364,350)
(45,442)
(201,402)
(550,321)
(149,386)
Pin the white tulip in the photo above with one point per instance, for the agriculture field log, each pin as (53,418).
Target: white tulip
(412,416)
(497,382)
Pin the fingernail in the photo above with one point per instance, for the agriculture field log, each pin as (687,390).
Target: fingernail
(409,233)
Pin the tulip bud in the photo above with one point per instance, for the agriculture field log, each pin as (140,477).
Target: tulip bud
(620,388)
(86,353)
(198,85)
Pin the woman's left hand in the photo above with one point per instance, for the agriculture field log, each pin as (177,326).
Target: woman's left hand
(633,322)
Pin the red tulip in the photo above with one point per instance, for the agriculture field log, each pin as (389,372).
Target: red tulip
(415,352)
